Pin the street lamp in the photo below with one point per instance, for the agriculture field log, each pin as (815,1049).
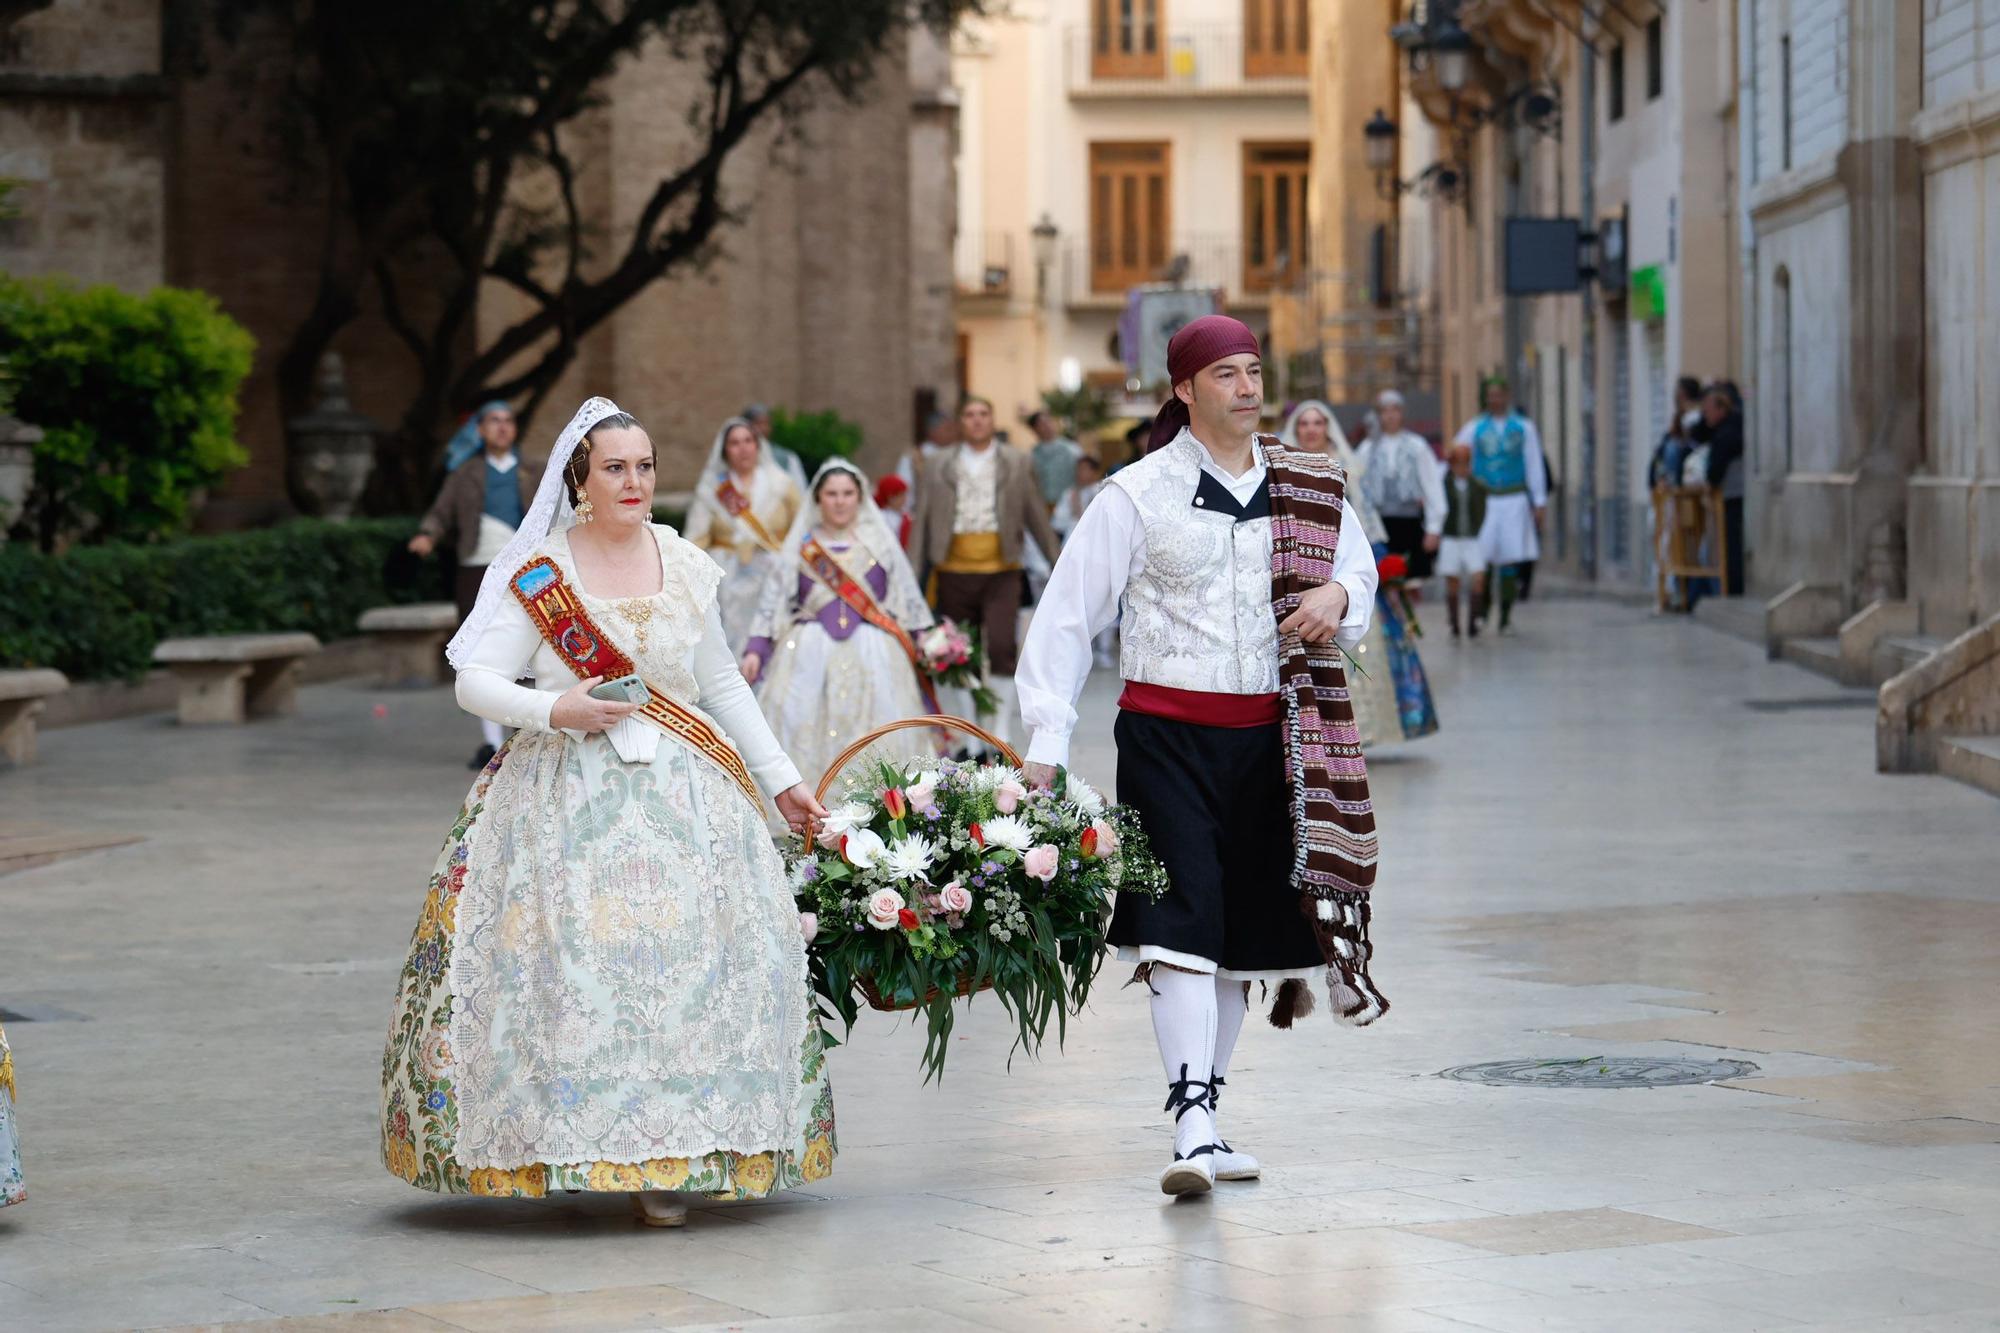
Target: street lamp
(1380,136)
(1451,46)
(1043,234)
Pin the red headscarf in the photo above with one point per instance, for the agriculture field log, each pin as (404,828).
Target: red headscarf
(1199,344)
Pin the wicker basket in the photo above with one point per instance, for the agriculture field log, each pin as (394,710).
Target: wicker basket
(943,722)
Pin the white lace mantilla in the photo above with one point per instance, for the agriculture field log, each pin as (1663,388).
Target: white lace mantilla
(628,972)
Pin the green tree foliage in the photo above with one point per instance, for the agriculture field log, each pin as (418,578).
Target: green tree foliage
(446,141)
(95,612)
(815,436)
(136,396)
(1081,410)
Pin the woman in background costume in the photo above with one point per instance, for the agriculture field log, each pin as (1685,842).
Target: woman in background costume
(13,1188)
(744,504)
(607,989)
(833,650)
(1392,700)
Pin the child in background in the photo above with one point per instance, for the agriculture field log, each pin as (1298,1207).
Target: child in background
(892,497)
(1460,556)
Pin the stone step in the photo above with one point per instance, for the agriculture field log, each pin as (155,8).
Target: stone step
(1821,655)
(1898,653)
(24,848)
(1741,617)
(1973,760)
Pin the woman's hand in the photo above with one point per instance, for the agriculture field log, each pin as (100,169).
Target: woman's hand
(576,710)
(800,808)
(1041,777)
(752,666)
(1319,615)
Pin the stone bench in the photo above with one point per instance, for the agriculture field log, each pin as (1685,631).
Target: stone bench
(22,693)
(411,639)
(224,677)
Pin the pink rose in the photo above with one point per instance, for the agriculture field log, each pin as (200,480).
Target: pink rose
(921,794)
(1041,862)
(1107,836)
(955,897)
(1007,797)
(884,908)
(808,925)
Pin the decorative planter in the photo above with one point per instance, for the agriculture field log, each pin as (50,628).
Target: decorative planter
(331,448)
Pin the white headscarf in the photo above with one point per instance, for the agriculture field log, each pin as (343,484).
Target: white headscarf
(715,471)
(551,512)
(1371,522)
(903,600)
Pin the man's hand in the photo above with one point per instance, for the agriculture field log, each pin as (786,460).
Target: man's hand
(1541,512)
(1319,615)
(1433,540)
(1040,776)
(800,808)
(421,544)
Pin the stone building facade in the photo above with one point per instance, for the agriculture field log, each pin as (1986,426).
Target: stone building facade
(824,296)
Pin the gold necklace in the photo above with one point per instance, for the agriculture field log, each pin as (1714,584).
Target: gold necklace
(639,611)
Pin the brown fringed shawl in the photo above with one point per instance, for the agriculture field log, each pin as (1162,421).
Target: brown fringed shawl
(1333,819)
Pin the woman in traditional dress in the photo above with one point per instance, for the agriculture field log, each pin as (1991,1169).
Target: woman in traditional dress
(833,650)
(744,504)
(12,1188)
(607,989)
(1391,694)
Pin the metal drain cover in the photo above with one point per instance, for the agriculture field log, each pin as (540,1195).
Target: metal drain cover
(1600,1071)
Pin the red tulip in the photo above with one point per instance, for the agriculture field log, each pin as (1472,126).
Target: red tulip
(843,848)
(1392,567)
(906,919)
(895,803)
(978,838)
(1090,842)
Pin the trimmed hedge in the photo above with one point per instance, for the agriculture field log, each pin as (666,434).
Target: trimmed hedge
(96,612)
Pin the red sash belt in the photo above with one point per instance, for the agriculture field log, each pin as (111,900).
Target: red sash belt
(1201,708)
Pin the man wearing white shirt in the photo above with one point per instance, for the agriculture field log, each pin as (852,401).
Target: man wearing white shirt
(1401,478)
(1507,459)
(1183,541)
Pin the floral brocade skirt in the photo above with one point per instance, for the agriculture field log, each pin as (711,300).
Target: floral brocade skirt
(606,990)
(13,1188)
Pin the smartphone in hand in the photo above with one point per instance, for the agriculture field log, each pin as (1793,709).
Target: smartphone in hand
(624,690)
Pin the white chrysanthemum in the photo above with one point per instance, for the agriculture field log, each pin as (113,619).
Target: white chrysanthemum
(1009,832)
(909,858)
(992,775)
(1084,796)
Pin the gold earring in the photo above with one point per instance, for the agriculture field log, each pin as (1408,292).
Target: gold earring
(585,511)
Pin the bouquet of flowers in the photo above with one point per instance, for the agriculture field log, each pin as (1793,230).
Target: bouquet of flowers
(931,884)
(949,654)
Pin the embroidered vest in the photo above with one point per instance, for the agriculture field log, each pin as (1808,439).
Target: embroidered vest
(1198,614)
(1500,454)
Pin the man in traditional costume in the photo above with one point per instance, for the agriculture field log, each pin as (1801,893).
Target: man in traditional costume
(485,495)
(1400,477)
(976,503)
(1236,742)
(1507,459)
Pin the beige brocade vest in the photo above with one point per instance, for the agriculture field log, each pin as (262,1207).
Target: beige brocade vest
(1197,615)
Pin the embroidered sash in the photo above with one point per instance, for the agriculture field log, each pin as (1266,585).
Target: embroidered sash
(585,649)
(738,505)
(1333,817)
(820,564)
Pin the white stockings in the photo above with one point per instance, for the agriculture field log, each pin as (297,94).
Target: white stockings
(1184,1024)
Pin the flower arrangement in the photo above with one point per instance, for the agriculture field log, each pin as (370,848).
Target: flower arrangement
(932,884)
(949,654)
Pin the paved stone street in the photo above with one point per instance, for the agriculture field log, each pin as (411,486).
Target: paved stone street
(1633,837)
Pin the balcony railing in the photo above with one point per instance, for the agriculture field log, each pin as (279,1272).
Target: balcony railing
(1180,62)
(1214,262)
(983,264)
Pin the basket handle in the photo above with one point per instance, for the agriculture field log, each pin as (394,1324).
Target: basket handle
(942,721)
